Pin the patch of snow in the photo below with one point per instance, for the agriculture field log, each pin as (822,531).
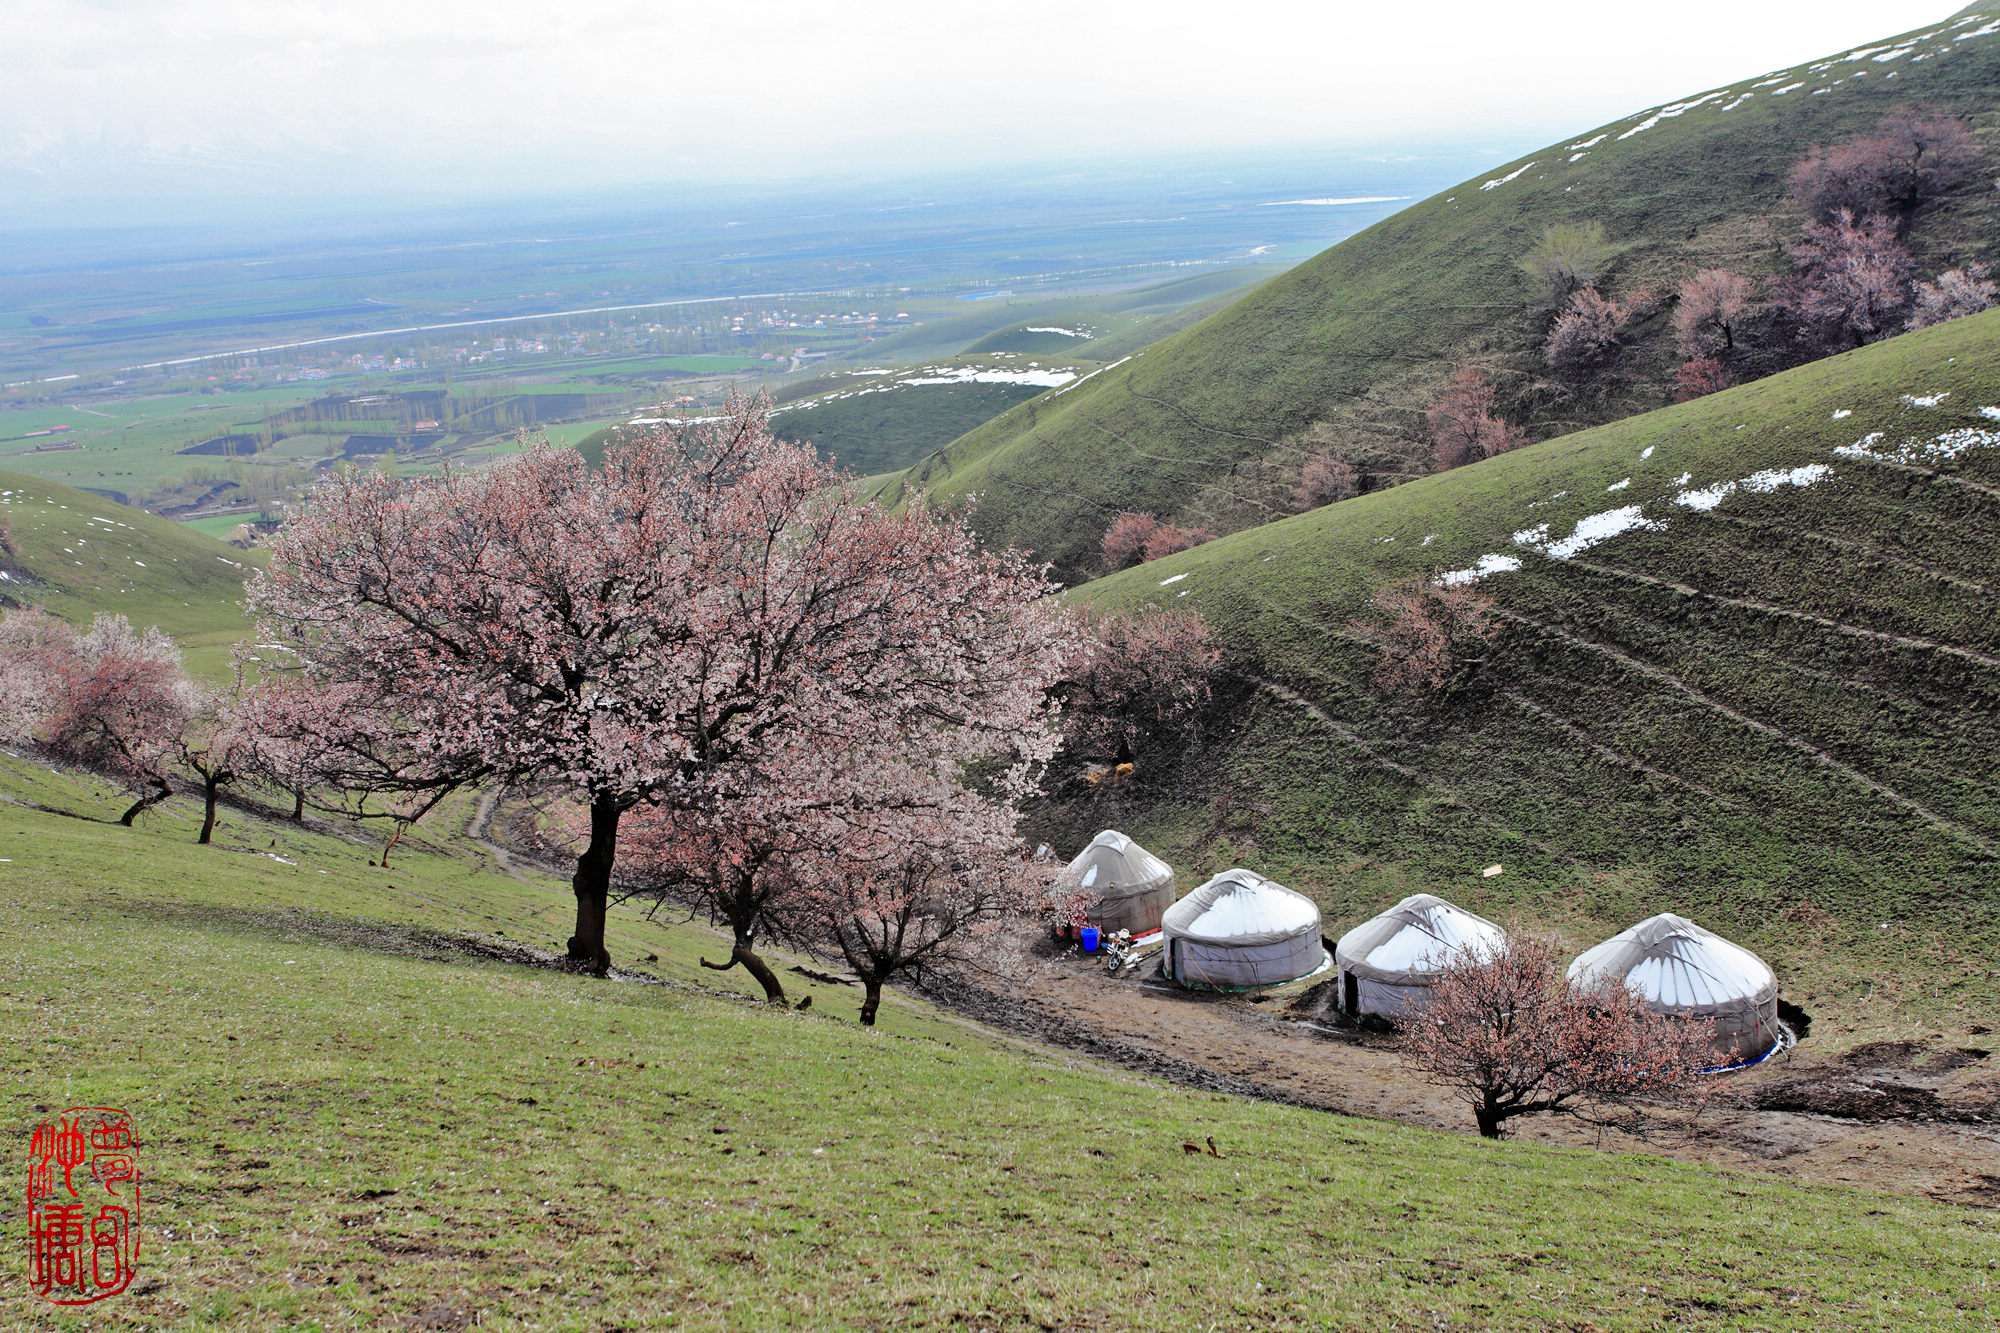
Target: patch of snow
(1577,157)
(1763,483)
(1990,413)
(1647,452)
(1842,413)
(1684,478)
(1491,563)
(1978,32)
(280,860)
(1428,540)
(1619,485)
(1939,449)
(1927,400)
(1502,180)
(1175,579)
(1739,101)
(1047,379)
(1590,531)
(1093,374)
(1669,112)
(1788,88)
(1067,333)
(647,421)
(1592,142)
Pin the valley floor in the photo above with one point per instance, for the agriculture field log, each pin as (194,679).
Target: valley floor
(1917,1117)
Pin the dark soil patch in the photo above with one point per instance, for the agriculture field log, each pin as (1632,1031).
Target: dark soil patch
(1958,1057)
(1884,1055)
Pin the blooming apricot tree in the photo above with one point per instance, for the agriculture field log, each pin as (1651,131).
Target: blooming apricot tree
(1505,1032)
(670,631)
(1463,426)
(110,697)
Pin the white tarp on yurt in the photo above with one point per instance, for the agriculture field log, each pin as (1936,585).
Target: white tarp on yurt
(1123,886)
(1679,968)
(1386,962)
(1241,929)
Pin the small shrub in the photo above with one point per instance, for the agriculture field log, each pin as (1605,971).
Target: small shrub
(1167,539)
(1700,377)
(1568,256)
(1126,538)
(1428,634)
(1956,293)
(1711,308)
(1585,334)
(1324,480)
(1462,423)
(1148,672)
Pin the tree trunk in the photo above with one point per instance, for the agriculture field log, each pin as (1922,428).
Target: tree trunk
(1489,1119)
(592,885)
(394,838)
(871,1001)
(299,806)
(209,787)
(742,952)
(161,791)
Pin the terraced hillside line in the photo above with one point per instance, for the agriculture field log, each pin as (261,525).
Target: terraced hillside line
(1769,608)
(1919,470)
(1861,549)
(1758,725)
(1354,739)
(1184,415)
(1346,733)
(1616,758)
(1251,501)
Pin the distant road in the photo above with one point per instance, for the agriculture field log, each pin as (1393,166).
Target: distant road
(1069,274)
(427,328)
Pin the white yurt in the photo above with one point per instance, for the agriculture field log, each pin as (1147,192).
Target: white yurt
(1241,929)
(1123,886)
(1386,962)
(1681,969)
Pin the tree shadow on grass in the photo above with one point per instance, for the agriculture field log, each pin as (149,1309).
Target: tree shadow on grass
(299,926)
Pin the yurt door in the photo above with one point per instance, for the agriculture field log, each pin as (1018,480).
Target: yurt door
(1350,994)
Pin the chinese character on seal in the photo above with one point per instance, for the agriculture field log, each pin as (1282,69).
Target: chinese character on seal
(83,1205)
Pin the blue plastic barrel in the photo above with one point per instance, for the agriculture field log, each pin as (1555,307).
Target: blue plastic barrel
(1090,939)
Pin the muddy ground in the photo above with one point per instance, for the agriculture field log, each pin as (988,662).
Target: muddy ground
(1912,1117)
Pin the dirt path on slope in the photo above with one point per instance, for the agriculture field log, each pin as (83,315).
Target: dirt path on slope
(1906,1117)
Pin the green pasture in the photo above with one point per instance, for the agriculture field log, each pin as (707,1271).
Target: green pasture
(346,1123)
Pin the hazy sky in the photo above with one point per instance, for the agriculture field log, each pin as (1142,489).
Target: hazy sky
(241,96)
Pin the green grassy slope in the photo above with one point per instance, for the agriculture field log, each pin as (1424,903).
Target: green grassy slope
(1344,350)
(1779,715)
(885,422)
(81,554)
(344,1125)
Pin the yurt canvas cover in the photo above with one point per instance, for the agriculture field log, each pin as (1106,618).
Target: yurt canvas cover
(1386,963)
(1125,887)
(1681,969)
(1241,929)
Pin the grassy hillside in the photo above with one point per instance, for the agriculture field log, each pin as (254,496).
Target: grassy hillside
(1343,351)
(1772,702)
(350,1119)
(81,554)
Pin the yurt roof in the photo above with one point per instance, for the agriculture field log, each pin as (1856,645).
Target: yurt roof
(1114,866)
(1241,907)
(1675,964)
(1411,940)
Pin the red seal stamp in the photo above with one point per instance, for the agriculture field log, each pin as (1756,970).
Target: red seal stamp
(83,1205)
